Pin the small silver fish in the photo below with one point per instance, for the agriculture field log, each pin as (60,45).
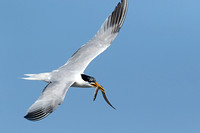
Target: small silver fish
(104,95)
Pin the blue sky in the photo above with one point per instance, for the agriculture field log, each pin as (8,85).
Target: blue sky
(151,71)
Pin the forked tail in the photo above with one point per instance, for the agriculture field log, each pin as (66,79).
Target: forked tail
(41,76)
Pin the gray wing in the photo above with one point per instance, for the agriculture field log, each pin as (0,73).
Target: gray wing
(52,96)
(100,42)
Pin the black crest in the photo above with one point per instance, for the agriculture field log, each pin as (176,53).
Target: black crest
(88,78)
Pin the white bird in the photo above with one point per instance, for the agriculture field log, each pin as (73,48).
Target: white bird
(71,74)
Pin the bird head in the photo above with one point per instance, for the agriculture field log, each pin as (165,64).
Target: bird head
(93,83)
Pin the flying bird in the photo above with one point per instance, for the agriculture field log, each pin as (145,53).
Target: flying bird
(71,74)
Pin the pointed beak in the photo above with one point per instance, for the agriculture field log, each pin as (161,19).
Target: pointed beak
(99,87)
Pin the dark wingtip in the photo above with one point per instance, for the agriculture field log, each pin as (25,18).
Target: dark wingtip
(25,116)
(31,117)
(118,15)
(38,114)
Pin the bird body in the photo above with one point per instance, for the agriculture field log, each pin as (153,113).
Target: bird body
(71,74)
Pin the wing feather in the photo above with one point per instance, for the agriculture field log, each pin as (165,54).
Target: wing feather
(100,42)
(52,96)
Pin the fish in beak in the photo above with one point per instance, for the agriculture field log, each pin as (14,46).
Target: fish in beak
(99,87)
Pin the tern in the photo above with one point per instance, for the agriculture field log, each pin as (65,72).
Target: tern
(71,74)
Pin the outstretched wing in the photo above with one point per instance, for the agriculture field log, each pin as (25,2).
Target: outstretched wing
(52,96)
(100,42)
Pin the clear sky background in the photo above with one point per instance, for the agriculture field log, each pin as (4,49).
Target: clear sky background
(151,71)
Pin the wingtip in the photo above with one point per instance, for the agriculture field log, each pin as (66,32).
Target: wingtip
(33,118)
(26,117)
(37,115)
(118,15)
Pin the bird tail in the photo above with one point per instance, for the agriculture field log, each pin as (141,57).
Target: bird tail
(41,76)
